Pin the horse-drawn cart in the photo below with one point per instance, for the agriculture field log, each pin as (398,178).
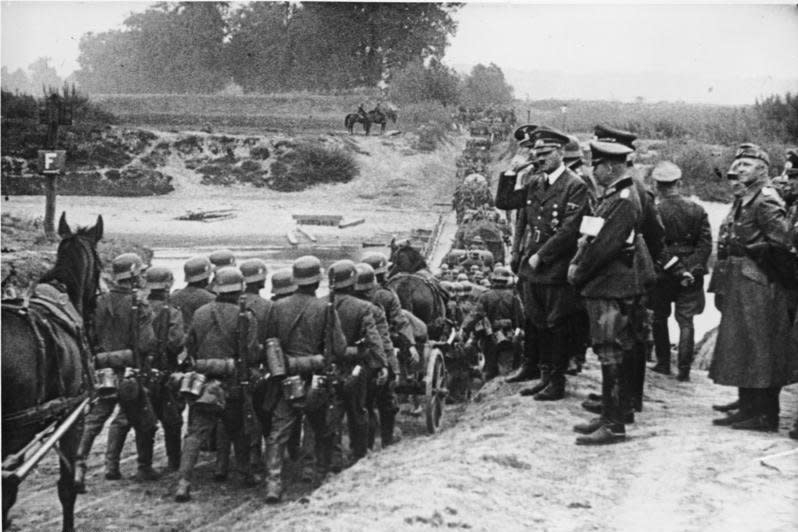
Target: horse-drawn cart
(430,381)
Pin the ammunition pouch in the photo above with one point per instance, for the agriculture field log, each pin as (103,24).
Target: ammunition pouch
(218,368)
(107,382)
(318,394)
(302,365)
(212,398)
(119,359)
(295,390)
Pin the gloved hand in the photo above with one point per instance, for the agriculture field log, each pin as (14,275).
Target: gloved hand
(382,377)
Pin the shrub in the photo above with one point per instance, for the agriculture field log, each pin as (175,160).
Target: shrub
(309,164)
(429,136)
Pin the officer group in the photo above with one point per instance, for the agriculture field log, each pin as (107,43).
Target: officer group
(597,260)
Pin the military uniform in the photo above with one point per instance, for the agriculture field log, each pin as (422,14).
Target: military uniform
(113,330)
(301,322)
(502,308)
(688,238)
(553,213)
(610,270)
(214,334)
(753,348)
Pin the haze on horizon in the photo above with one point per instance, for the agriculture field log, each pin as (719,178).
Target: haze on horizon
(726,54)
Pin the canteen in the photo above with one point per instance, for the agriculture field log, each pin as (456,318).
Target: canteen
(106,381)
(275,359)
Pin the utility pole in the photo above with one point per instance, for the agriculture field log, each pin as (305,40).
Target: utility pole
(56,111)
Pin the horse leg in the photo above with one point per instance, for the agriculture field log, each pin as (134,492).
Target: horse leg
(67,491)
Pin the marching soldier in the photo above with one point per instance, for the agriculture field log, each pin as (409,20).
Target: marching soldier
(380,387)
(554,207)
(609,270)
(197,271)
(502,308)
(753,349)
(114,323)
(688,239)
(304,326)
(364,356)
(219,259)
(170,339)
(214,340)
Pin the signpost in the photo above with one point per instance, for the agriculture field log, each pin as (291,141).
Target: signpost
(57,111)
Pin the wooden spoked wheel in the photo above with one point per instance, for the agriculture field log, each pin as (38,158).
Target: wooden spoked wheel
(436,381)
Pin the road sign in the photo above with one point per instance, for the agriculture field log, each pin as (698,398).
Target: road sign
(52,161)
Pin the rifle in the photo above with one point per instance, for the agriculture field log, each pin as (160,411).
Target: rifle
(242,362)
(330,322)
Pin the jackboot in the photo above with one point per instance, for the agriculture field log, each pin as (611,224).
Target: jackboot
(555,390)
(387,422)
(274,482)
(145,442)
(529,369)
(747,404)
(524,373)
(113,450)
(686,351)
(662,346)
(633,372)
(545,377)
(80,476)
(172,443)
(222,453)
(612,430)
(183,493)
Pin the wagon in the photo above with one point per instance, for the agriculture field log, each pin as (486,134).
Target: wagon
(431,382)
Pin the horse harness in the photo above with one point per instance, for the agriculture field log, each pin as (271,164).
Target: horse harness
(49,314)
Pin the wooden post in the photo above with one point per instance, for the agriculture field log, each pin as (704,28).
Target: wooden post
(50,179)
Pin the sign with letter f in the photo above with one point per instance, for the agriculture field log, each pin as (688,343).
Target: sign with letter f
(52,161)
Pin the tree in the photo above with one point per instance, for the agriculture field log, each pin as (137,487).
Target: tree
(485,86)
(416,82)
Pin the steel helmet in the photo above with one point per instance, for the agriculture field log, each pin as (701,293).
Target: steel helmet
(378,261)
(344,274)
(306,270)
(365,277)
(467,286)
(283,282)
(159,278)
(462,277)
(457,288)
(253,270)
(197,269)
(222,257)
(501,276)
(126,266)
(228,279)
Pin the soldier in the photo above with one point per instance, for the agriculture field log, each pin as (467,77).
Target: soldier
(170,337)
(114,324)
(219,259)
(364,355)
(401,330)
(688,238)
(554,207)
(304,326)
(215,335)
(380,394)
(197,271)
(502,308)
(610,269)
(283,284)
(753,348)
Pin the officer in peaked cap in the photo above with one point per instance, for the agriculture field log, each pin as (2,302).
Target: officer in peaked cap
(752,295)
(552,207)
(170,336)
(790,196)
(380,395)
(254,272)
(364,358)
(611,134)
(282,283)
(572,153)
(688,239)
(303,325)
(115,315)
(608,270)
(197,272)
(521,133)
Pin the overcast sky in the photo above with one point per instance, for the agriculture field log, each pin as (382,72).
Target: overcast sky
(709,41)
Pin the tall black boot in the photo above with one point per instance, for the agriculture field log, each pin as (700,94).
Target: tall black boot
(633,372)
(612,429)
(145,441)
(560,349)
(545,378)
(529,369)
(171,436)
(662,346)
(686,350)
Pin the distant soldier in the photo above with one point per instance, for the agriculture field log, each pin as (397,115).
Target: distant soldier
(364,355)
(688,238)
(114,323)
(304,326)
(753,349)
(170,339)
(609,270)
(219,259)
(197,272)
(215,337)
(380,394)
(501,307)
(554,207)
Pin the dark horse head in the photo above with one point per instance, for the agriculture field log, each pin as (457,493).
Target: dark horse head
(77,265)
(405,258)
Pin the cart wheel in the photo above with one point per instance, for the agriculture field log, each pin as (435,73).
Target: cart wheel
(436,379)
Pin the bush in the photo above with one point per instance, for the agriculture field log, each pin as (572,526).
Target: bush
(309,164)
(429,136)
